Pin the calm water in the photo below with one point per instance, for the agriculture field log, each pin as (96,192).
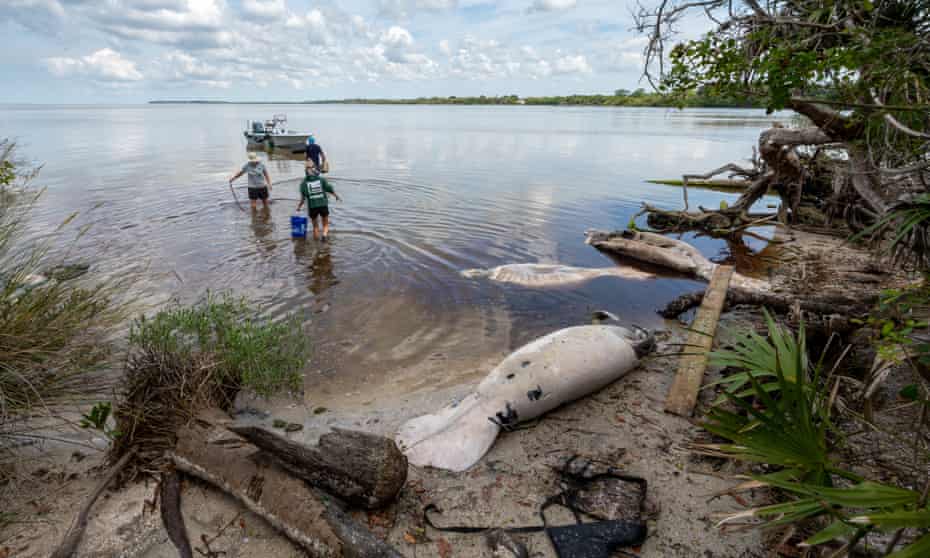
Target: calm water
(428,191)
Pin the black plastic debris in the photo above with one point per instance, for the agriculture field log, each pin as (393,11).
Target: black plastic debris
(600,539)
(593,489)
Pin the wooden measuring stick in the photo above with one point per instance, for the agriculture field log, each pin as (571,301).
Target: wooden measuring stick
(684,392)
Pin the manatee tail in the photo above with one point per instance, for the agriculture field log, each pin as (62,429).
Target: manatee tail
(455,438)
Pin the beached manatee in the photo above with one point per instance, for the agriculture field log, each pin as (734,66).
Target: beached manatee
(552,275)
(534,379)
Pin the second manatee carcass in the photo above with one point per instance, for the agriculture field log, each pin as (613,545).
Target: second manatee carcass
(536,378)
(553,275)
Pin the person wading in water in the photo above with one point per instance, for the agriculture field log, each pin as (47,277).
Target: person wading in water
(313,190)
(315,154)
(259,181)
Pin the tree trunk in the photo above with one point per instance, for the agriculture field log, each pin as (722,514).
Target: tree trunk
(207,450)
(669,253)
(363,469)
(820,305)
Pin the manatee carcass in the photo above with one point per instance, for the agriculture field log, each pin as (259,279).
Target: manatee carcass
(536,378)
(552,275)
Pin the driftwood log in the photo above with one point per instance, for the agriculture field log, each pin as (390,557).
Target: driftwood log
(776,303)
(314,521)
(680,256)
(362,469)
(669,253)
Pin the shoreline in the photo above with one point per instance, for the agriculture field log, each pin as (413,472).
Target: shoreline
(624,423)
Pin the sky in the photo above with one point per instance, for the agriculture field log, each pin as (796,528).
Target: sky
(129,51)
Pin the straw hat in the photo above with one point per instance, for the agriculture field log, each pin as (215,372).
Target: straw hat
(253,157)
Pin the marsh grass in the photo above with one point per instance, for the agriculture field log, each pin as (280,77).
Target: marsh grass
(52,331)
(54,325)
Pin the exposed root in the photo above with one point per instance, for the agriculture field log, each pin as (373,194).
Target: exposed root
(72,539)
(163,391)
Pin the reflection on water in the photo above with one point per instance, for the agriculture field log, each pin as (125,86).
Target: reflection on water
(428,191)
(317,262)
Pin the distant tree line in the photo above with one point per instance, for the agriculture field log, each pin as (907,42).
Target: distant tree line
(620,98)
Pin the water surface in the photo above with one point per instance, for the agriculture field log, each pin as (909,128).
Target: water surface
(429,191)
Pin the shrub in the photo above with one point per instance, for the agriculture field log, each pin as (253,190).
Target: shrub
(189,358)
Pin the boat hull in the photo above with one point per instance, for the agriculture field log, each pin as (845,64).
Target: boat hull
(284,141)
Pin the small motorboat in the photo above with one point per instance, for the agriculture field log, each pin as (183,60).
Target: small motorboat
(274,133)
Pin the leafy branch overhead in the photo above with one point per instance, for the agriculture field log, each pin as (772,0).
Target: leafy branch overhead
(858,71)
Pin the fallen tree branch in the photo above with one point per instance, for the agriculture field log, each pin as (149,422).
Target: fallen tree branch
(363,469)
(776,303)
(171,518)
(669,253)
(208,451)
(73,537)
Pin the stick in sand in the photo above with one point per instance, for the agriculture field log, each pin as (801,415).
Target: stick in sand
(72,538)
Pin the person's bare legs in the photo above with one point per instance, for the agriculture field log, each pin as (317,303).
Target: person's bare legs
(316,228)
(254,204)
(325,226)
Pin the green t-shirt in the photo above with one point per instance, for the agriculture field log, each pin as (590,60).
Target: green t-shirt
(313,189)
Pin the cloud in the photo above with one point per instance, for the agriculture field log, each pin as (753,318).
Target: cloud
(552,5)
(626,55)
(103,65)
(41,16)
(315,25)
(409,8)
(269,10)
(395,44)
(181,67)
(571,65)
(170,15)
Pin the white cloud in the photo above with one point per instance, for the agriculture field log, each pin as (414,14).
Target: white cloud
(571,65)
(627,54)
(395,44)
(41,16)
(316,26)
(104,65)
(165,14)
(552,5)
(264,9)
(409,8)
(444,47)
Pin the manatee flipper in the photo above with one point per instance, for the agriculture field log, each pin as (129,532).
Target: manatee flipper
(455,438)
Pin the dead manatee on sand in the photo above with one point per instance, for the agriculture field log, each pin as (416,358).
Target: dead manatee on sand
(536,378)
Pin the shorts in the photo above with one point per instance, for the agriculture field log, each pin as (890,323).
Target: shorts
(317,211)
(258,193)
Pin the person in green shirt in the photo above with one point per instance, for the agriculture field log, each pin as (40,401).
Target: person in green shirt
(314,190)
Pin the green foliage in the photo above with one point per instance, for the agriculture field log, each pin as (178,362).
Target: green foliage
(785,422)
(909,224)
(762,358)
(897,316)
(7,172)
(97,419)
(620,98)
(257,353)
(829,53)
